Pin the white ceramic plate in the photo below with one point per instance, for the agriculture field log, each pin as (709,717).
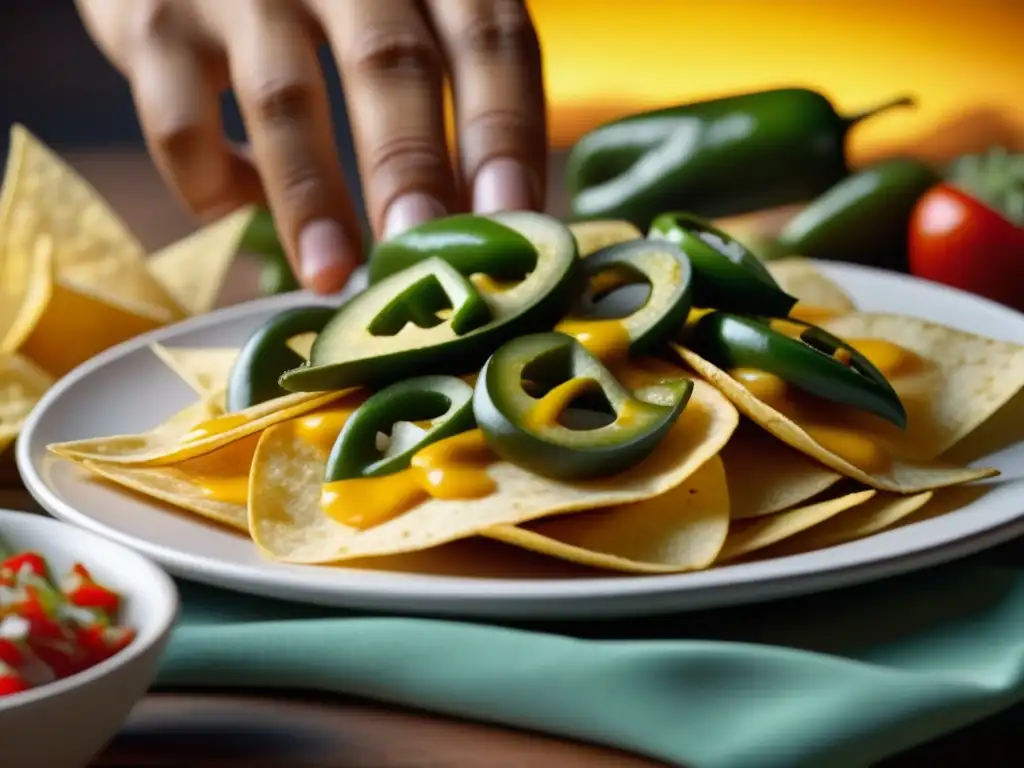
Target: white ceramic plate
(127,389)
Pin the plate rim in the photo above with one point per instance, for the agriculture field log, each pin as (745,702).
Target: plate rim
(607,596)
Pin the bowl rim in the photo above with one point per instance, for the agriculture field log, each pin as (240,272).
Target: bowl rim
(156,586)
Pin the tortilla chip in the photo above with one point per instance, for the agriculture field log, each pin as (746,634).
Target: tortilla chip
(26,284)
(746,536)
(766,476)
(193,270)
(681,530)
(204,369)
(22,384)
(75,325)
(43,195)
(164,445)
(967,379)
(592,236)
(902,476)
(182,484)
(880,513)
(817,296)
(286,520)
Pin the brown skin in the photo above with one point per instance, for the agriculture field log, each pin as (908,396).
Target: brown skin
(180,55)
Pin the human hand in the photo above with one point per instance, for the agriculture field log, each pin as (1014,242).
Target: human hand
(393,56)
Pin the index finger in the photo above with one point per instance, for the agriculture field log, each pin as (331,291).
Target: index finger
(495,62)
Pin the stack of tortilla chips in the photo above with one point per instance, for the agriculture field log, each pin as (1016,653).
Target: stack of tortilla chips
(75,281)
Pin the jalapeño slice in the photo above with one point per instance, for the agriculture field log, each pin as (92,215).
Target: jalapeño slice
(446,402)
(817,362)
(643,285)
(726,275)
(266,355)
(431,317)
(526,427)
(470,243)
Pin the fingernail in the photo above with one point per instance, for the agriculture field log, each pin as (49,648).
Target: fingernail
(502,185)
(326,256)
(410,211)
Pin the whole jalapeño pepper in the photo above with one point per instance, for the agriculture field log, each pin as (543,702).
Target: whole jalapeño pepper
(716,158)
(531,431)
(816,362)
(863,219)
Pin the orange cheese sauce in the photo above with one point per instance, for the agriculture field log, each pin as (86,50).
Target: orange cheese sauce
(453,468)
(215,426)
(853,435)
(809,313)
(321,428)
(607,340)
(231,490)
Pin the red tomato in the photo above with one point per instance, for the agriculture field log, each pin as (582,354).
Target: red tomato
(959,241)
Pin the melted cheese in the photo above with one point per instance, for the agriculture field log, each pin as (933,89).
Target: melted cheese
(215,426)
(453,468)
(321,428)
(231,490)
(607,340)
(813,315)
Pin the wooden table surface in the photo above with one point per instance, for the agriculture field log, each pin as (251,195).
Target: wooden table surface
(255,730)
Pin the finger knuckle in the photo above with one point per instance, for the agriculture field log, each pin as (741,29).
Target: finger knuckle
(395,51)
(300,190)
(500,29)
(405,161)
(504,130)
(279,101)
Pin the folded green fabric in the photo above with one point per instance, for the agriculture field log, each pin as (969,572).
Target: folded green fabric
(843,678)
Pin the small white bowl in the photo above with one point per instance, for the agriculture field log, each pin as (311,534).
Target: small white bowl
(65,723)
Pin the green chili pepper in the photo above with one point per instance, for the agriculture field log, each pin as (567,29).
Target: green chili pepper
(445,401)
(717,158)
(469,243)
(664,272)
(265,356)
(393,330)
(862,219)
(809,363)
(726,275)
(527,431)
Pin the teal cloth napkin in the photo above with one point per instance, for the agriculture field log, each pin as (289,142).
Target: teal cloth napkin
(837,679)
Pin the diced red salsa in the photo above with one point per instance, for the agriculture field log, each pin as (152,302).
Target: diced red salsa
(52,629)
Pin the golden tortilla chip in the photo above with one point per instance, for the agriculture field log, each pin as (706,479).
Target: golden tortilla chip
(43,195)
(880,513)
(74,325)
(169,443)
(766,476)
(681,530)
(204,369)
(22,384)
(287,522)
(26,285)
(193,270)
(818,298)
(963,381)
(592,236)
(746,536)
(957,382)
(213,486)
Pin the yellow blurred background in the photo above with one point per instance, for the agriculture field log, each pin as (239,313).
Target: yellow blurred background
(963,60)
